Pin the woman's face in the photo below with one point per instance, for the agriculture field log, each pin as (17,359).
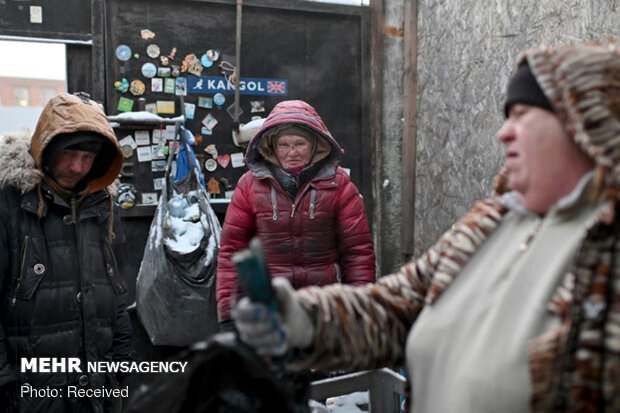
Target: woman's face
(543,162)
(293,151)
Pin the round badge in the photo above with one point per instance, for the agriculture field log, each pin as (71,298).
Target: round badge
(219,99)
(149,70)
(206,62)
(211,165)
(152,51)
(123,52)
(212,55)
(137,88)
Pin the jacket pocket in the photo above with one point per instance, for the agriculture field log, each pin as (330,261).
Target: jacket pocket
(32,267)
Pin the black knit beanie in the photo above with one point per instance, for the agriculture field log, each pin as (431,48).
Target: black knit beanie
(523,88)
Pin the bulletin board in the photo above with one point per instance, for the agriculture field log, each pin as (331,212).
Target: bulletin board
(287,52)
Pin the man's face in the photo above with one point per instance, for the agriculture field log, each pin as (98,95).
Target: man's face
(542,161)
(71,166)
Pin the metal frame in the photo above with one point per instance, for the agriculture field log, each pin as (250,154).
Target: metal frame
(385,388)
(296,5)
(45,40)
(98,34)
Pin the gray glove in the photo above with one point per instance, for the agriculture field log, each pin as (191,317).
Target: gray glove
(271,333)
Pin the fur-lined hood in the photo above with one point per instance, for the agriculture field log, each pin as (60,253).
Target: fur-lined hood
(582,82)
(21,153)
(17,167)
(66,113)
(292,112)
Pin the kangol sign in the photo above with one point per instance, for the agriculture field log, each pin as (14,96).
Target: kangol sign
(247,86)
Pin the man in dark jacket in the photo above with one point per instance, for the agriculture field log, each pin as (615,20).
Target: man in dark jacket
(60,287)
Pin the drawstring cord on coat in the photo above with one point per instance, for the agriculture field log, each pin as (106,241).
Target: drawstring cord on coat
(274,203)
(40,197)
(312,199)
(111,235)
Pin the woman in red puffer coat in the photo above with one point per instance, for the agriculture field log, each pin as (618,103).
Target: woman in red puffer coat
(302,205)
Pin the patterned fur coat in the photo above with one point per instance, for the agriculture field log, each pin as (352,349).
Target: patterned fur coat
(575,367)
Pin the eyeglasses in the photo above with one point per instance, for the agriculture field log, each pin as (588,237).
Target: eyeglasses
(286,148)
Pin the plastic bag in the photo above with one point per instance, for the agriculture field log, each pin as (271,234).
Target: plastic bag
(222,375)
(175,290)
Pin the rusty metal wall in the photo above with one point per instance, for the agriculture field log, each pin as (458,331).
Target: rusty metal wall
(467,51)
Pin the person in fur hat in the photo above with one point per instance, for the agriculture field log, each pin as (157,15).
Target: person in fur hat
(301,204)
(517,307)
(60,285)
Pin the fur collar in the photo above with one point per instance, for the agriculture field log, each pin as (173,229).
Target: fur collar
(17,167)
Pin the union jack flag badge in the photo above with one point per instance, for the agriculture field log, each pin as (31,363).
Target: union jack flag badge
(276,87)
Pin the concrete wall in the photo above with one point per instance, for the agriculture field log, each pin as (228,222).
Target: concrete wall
(466,53)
